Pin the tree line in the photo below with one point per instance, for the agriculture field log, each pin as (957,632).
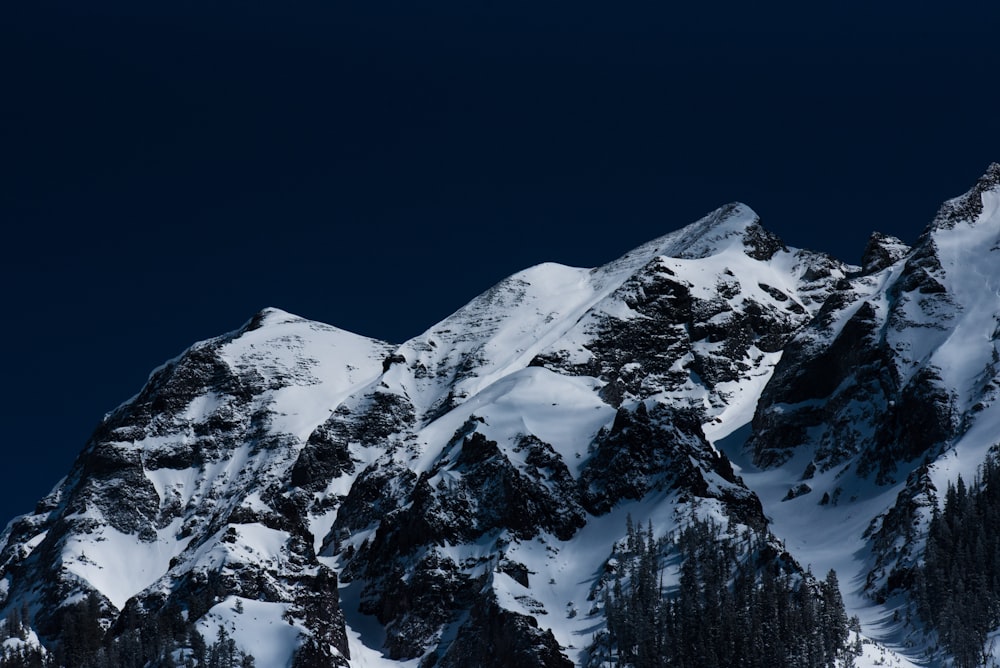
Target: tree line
(957,589)
(153,642)
(739,604)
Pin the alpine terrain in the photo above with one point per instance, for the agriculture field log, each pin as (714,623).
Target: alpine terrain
(715,450)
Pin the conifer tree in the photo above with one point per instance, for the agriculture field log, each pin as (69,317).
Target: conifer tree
(956,591)
(728,610)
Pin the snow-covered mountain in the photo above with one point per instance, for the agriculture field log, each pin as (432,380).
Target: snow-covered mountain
(327,499)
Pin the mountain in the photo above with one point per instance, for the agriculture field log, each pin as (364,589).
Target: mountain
(311,497)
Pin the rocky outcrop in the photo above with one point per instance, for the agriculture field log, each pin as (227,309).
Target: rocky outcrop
(882,252)
(496,638)
(662,449)
(849,383)
(970,205)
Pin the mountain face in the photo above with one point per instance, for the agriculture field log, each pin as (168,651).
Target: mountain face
(325,499)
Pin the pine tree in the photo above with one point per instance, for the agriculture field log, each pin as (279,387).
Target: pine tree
(725,612)
(957,589)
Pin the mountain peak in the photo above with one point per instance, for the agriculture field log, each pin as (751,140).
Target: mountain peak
(992,173)
(969,206)
(269,316)
(882,251)
(734,224)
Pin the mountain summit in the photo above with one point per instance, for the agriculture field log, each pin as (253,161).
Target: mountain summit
(735,224)
(493,491)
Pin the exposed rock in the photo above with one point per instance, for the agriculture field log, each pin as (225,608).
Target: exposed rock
(970,205)
(797,491)
(498,638)
(881,252)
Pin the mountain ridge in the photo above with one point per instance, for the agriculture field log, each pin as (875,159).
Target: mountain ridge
(375,503)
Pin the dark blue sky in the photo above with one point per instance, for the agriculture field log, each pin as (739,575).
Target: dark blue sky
(169,168)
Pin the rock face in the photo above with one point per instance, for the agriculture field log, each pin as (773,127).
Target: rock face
(453,500)
(876,370)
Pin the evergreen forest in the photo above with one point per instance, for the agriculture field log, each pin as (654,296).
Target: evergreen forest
(958,588)
(740,603)
(151,643)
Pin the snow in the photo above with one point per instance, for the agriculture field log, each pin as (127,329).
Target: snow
(566,571)
(969,451)
(502,330)
(318,365)
(563,411)
(30,545)
(830,537)
(968,254)
(16,643)
(952,333)
(251,543)
(742,400)
(315,367)
(365,634)
(257,539)
(552,307)
(119,565)
(717,232)
(260,630)
(180,483)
